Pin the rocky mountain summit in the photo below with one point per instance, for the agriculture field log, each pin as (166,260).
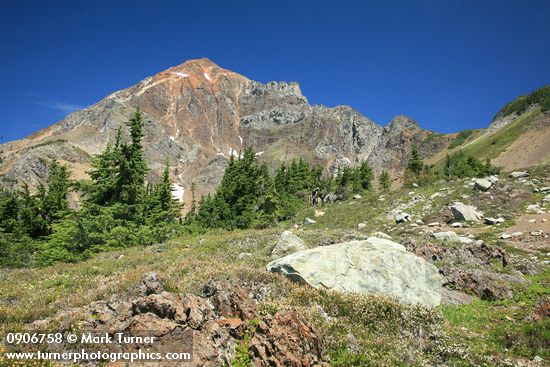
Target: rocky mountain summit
(198,115)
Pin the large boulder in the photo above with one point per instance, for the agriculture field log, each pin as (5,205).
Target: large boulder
(374,266)
(466,213)
(287,244)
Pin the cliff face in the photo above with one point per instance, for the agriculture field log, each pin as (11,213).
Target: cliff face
(198,114)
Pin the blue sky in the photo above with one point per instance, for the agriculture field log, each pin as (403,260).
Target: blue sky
(448,64)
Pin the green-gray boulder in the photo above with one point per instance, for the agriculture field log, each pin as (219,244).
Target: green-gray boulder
(374,266)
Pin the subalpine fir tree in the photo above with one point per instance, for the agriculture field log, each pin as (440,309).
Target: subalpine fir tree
(105,166)
(191,216)
(55,202)
(132,167)
(363,177)
(415,164)
(163,207)
(384,180)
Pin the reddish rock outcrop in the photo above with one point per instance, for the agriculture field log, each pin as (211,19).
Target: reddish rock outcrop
(215,323)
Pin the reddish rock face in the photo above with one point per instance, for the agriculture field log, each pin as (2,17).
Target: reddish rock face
(197,115)
(285,340)
(216,323)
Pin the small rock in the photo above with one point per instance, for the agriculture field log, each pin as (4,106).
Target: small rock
(537,359)
(436,195)
(519,174)
(466,213)
(357,196)
(449,236)
(505,236)
(402,217)
(465,240)
(308,221)
(452,297)
(361,226)
(242,255)
(288,243)
(494,220)
(415,185)
(535,209)
(150,284)
(536,233)
(532,221)
(319,213)
(353,345)
(433,224)
(483,184)
(382,235)
(456,225)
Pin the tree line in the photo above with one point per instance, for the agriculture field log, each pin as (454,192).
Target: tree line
(119,208)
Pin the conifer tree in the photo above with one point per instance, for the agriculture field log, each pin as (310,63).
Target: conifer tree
(415,164)
(104,190)
(246,196)
(164,191)
(132,167)
(55,202)
(384,181)
(191,215)
(363,176)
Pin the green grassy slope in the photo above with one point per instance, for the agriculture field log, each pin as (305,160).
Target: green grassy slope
(481,333)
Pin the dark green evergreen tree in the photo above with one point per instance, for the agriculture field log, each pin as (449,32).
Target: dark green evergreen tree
(132,166)
(415,164)
(163,207)
(363,177)
(245,197)
(55,202)
(384,180)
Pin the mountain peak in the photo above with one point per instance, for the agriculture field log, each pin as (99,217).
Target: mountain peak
(197,70)
(403,122)
(202,62)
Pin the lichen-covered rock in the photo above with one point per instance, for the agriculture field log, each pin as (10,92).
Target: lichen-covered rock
(373,266)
